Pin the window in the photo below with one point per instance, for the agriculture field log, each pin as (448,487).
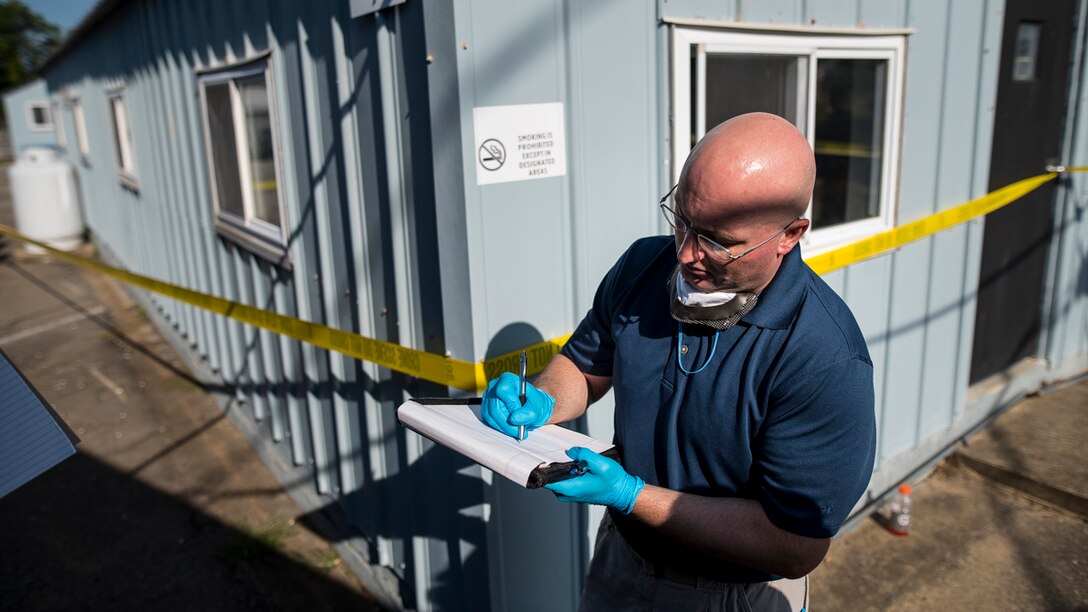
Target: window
(81,130)
(1027,48)
(37,116)
(240,145)
(843,92)
(58,123)
(122,137)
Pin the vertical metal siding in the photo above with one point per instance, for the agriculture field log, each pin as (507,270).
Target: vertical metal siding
(830,13)
(770,11)
(15,102)
(303,365)
(910,266)
(321,404)
(882,13)
(950,253)
(1067,333)
(180,98)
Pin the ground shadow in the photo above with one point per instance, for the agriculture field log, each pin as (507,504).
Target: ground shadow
(84,536)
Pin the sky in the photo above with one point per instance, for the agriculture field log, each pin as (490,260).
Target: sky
(65,13)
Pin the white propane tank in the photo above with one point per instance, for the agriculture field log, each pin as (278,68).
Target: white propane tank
(45,198)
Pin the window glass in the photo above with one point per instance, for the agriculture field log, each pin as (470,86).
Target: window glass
(842,92)
(38,117)
(122,135)
(115,109)
(81,128)
(1027,48)
(262,165)
(849,140)
(224,150)
(240,149)
(742,83)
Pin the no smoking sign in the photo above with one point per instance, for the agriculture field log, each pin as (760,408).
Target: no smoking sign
(519,143)
(492,154)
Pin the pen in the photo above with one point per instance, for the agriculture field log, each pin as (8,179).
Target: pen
(521,428)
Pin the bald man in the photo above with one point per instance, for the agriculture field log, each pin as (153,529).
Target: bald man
(743,388)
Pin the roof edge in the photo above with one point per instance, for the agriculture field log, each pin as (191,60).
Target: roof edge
(90,22)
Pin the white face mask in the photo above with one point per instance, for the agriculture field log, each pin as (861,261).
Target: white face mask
(719,310)
(690,296)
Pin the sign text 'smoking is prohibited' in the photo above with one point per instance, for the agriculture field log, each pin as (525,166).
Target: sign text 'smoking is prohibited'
(519,143)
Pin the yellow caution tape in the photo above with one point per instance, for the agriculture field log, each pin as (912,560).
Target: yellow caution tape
(473,377)
(428,366)
(926,226)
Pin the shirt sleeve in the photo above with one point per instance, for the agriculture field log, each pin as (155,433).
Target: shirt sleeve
(592,344)
(815,455)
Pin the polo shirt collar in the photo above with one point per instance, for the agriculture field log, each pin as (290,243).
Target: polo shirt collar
(779,301)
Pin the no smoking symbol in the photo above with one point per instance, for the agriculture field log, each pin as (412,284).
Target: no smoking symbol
(492,154)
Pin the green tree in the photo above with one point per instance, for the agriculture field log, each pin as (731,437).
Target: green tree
(26,38)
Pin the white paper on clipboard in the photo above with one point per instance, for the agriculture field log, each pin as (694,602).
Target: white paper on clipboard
(457,426)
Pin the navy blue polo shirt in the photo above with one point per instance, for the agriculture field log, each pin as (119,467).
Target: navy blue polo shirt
(783,413)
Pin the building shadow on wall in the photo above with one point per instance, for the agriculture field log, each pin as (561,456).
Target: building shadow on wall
(442,499)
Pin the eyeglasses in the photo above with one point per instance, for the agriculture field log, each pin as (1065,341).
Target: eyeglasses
(682,228)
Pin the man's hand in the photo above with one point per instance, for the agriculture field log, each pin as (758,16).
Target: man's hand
(604,482)
(502,410)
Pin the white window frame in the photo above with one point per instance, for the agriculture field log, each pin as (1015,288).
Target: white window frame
(891,48)
(58,125)
(80,122)
(256,234)
(35,125)
(122,128)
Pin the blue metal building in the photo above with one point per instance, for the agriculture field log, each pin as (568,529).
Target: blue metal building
(335,160)
(31,118)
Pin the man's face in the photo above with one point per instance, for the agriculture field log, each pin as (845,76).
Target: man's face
(708,269)
(738,203)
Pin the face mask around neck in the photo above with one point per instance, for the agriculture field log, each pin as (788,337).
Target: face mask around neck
(718,310)
(690,296)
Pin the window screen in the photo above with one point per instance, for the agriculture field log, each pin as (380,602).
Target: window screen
(223,149)
(849,131)
(240,145)
(262,165)
(840,91)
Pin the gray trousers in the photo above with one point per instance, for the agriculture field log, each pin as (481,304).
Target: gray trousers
(620,580)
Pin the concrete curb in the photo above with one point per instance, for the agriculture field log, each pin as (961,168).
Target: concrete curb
(1045,493)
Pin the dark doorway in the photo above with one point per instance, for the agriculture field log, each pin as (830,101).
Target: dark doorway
(1028,123)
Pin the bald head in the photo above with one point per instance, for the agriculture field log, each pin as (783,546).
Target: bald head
(756,167)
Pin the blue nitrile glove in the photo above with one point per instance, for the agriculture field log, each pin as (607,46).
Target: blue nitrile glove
(502,410)
(604,482)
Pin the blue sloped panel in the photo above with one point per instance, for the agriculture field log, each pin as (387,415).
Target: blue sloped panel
(31,440)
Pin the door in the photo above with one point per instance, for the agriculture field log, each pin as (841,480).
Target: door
(1028,124)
